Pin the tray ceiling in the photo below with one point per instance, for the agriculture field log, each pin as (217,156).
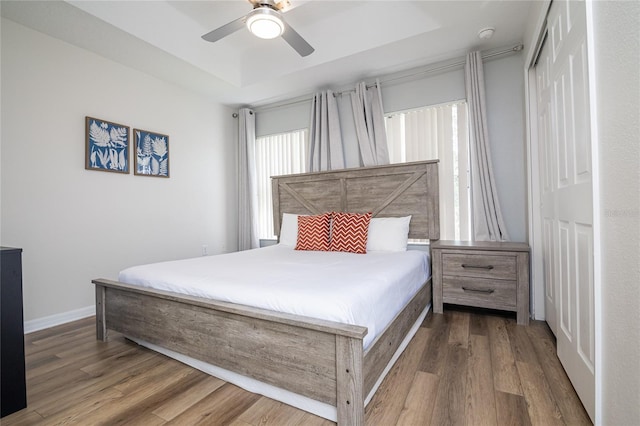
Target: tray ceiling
(353,40)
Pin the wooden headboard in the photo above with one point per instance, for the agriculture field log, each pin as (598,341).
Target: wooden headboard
(388,191)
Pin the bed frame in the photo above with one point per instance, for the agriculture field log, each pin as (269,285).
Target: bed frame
(318,359)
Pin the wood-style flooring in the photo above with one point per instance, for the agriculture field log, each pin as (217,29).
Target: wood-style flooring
(464,367)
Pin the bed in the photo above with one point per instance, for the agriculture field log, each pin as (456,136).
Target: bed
(297,356)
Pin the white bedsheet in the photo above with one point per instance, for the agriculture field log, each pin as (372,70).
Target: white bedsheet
(367,290)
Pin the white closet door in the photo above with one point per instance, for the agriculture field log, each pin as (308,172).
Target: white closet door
(546,154)
(567,193)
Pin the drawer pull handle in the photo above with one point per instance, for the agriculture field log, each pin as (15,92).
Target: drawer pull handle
(479,290)
(488,267)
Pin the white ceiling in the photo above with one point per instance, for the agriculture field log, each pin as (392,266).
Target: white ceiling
(353,40)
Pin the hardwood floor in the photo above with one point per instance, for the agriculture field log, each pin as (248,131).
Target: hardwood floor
(462,367)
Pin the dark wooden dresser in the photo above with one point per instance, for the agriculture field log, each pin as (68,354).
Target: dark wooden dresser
(13,391)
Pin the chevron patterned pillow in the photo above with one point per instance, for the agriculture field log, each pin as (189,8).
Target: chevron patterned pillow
(313,232)
(349,232)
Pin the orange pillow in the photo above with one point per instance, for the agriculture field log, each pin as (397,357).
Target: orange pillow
(349,232)
(313,232)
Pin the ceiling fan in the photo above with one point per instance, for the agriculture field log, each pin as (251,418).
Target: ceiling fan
(264,21)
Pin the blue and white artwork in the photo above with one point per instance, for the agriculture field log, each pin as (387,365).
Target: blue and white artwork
(107,146)
(152,153)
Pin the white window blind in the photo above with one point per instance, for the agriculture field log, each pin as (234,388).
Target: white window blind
(281,154)
(438,132)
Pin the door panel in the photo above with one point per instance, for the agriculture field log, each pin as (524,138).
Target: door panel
(564,263)
(549,255)
(584,275)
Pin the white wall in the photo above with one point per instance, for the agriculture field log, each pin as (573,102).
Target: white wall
(285,118)
(430,89)
(504,84)
(75,224)
(616,44)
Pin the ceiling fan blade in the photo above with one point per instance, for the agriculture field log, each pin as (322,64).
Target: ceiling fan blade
(296,41)
(225,30)
(281,5)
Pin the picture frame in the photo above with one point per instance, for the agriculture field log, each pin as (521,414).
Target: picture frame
(106,146)
(152,153)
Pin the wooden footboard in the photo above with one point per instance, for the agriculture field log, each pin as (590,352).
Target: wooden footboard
(319,359)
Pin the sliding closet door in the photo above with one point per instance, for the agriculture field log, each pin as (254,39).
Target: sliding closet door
(547,174)
(567,193)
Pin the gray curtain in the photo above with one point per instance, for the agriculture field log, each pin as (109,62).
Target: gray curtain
(369,123)
(247,183)
(488,224)
(325,140)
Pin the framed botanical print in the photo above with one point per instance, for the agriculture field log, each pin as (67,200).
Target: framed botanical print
(107,146)
(152,153)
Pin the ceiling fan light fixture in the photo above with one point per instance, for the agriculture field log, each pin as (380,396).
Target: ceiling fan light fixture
(265,23)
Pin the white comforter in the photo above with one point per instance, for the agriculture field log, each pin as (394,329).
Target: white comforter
(361,289)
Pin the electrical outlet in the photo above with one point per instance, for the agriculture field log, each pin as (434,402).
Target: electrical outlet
(205,250)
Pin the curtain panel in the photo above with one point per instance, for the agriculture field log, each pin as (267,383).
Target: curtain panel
(325,139)
(488,224)
(368,116)
(247,182)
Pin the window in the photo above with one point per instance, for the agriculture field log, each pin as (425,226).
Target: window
(282,154)
(434,132)
(438,132)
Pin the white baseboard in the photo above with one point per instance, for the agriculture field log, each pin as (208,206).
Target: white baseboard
(57,319)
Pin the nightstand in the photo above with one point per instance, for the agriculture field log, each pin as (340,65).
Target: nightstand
(484,274)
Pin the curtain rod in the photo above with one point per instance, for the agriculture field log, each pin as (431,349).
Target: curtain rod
(456,64)
(460,62)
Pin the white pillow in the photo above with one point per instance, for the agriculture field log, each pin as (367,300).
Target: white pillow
(388,234)
(289,229)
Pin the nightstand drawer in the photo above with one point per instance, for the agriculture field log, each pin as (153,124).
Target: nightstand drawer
(502,267)
(484,293)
